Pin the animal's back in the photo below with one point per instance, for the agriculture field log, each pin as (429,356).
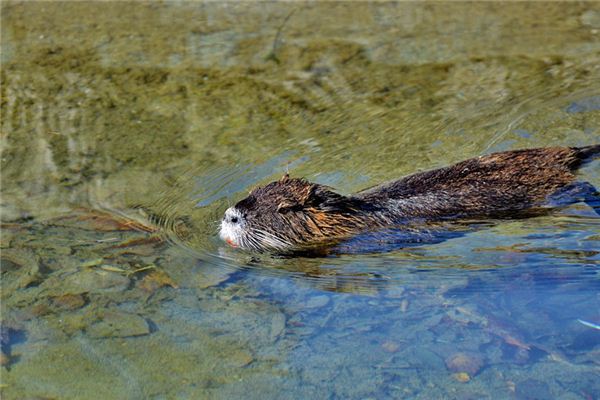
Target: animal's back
(490,185)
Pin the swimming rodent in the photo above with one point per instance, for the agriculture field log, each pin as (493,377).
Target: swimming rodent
(293,213)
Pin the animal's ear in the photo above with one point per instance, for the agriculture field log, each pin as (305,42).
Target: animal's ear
(308,198)
(287,206)
(285,177)
(322,197)
(313,196)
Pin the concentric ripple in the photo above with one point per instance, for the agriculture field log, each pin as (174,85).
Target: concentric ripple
(189,214)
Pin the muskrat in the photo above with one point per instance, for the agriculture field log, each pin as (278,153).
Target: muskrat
(293,213)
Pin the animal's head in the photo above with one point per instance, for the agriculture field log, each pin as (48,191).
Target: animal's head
(289,213)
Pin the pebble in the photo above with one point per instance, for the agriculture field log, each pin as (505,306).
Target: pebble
(464,362)
(404,305)
(277,326)
(240,359)
(462,377)
(68,301)
(317,302)
(390,347)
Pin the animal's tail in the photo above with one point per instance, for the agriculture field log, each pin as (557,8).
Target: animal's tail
(590,195)
(587,153)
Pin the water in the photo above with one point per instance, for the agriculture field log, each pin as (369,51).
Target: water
(128,129)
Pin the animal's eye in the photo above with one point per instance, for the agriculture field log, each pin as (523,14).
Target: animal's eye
(234,220)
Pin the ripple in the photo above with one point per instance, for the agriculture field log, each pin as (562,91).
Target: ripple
(493,251)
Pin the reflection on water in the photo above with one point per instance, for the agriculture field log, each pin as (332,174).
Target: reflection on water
(124,139)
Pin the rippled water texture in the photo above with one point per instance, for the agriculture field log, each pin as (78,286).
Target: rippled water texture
(128,128)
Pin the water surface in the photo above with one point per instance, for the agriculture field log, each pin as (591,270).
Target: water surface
(127,130)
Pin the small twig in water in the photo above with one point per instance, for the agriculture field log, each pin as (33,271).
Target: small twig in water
(135,271)
(277,40)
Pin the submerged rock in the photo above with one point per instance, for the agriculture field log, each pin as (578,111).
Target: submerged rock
(317,302)
(87,281)
(464,362)
(277,326)
(68,301)
(390,347)
(209,278)
(118,324)
(240,359)
(462,377)
(21,269)
(155,280)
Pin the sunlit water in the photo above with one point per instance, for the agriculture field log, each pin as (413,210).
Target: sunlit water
(128,129)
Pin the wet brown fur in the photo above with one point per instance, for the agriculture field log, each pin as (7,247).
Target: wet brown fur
(485,186)
(298,212)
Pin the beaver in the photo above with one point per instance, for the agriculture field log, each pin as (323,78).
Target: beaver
(293,213)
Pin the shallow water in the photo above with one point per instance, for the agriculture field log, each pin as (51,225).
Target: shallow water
(127,130)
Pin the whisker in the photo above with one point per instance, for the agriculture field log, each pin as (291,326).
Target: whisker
(272,239)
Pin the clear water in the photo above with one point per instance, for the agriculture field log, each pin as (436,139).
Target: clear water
(128,128)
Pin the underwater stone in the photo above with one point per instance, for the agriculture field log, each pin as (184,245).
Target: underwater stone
(591,18)
(277,326)
(119,324)
(68,301)
(464,362)
(240,359)
(404,305)
(206,278)
(390,347)
(155,280)
(462,377)
(317,302)
(91,281)
(10,213)
(24,267)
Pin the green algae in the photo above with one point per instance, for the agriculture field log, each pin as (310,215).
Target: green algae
(109,107)
(86,108)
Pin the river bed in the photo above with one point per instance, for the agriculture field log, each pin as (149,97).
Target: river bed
(129,127)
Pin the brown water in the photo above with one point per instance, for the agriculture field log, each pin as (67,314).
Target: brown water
(128,128)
